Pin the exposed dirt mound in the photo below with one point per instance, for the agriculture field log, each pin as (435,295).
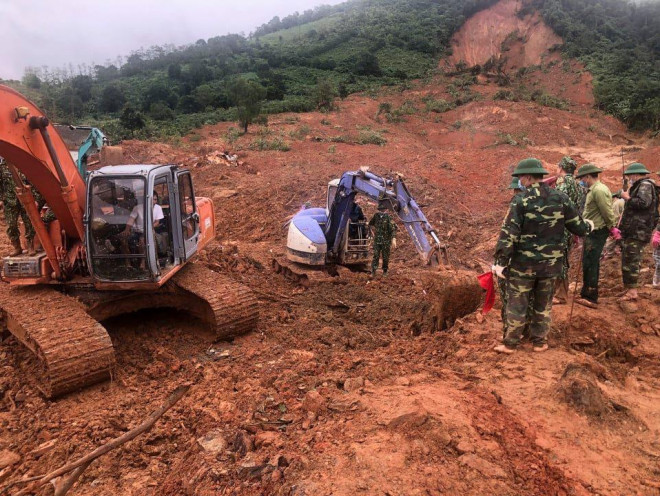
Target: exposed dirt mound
(499,32)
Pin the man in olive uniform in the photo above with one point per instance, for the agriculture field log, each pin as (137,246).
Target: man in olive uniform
(14,209)
(640,217)
(567,184)
(530,249)
(384,230)
(598,209)
(518,189)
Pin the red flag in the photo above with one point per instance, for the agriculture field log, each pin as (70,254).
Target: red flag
(487,282)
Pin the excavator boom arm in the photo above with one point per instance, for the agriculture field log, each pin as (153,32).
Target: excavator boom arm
(378,188)
(38,152)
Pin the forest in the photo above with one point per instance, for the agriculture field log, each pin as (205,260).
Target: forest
(299,62)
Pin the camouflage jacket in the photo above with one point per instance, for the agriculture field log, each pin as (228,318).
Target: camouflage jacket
(384,228)
(531,241)
(569,186)
(7,186)
(640,214)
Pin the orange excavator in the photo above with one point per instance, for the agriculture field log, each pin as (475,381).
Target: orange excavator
(121,240)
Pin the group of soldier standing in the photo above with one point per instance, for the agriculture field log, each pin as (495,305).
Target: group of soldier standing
(15,210)
(540,229)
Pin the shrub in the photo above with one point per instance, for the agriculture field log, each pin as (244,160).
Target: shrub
(367,137)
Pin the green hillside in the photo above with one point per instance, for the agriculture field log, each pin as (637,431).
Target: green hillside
(296,61)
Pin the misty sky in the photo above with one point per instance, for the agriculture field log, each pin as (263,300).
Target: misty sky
(58,32)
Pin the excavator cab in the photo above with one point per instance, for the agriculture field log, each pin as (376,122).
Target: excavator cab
(142,222)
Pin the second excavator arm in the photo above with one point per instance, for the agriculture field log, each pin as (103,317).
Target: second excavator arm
(393,191)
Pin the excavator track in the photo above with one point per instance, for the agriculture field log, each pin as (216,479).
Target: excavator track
(230,308)
(72,350)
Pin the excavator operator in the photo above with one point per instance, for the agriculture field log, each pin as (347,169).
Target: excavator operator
(134,231)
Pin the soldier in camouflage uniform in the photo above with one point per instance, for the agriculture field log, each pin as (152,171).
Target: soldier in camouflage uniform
(518,189)
(567,184)
(640,217)
(384,236)
(530,249)
(14,210)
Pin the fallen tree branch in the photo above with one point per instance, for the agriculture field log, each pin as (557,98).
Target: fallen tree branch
(63,488)
(146,425)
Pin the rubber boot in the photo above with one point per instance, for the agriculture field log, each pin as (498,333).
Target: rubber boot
(16,243)
(30,248)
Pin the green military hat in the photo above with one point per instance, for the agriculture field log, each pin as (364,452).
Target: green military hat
(529,166)
(568,164)
(588,169)
(515,184)
(636,168)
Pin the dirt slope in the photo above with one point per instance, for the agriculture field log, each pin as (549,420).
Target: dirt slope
(345,388)
(489,34)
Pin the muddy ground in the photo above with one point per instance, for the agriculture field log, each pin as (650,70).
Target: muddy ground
(349,387)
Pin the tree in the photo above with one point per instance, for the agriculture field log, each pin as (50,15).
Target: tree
(161,112)
(112,99)
(246,95)
(367,65)
(204,95)
(31,80)
(174,71)
(159,91)
(324,95)
(131,118)
(82,85)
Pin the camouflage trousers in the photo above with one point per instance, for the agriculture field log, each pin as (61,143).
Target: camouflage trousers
(381,249)
(631,260)
(12,213)
(504,299)
(593,248)
(656,259)
(523,292)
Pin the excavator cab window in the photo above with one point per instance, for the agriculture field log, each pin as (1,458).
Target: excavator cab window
(117,230)
(163,226)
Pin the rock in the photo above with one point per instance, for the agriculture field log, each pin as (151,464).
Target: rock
(463,447)
(647,329)
(482,466)
(276,475)
(402,381)
(241,443)
(629,306)
(579,388)
(213,442)
(409,420)
(314,402)
(8,458)
(43,448)
(267,438)
(353,383)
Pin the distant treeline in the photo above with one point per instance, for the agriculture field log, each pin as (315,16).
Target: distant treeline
(353,46)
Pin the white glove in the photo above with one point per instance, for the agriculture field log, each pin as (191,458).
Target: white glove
(393,242)
(498,270)
(592,226)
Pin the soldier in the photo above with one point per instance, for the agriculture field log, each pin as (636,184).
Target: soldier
(567,184)
(640,216)
(598,209)
(656,256)
(518,189)
(14,209)
(384,237)
(530,250)
(612,245)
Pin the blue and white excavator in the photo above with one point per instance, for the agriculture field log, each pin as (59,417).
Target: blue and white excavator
(327,236)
